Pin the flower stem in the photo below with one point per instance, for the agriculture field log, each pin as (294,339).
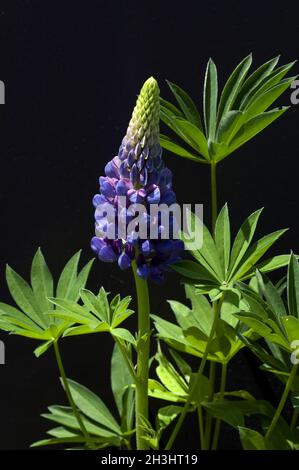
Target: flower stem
(209,418)
(143,349)
(221,396)
(282,401)
(69,396)
(196,381)
(212,372)
(201,427)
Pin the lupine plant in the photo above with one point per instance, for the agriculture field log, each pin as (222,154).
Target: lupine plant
(231,303)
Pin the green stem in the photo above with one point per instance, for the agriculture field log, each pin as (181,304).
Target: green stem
(221,396)
(201,427)
(195,384)
(69,396)
(294,420)
(143,350)
(209,421)
(282,401)
(214,194)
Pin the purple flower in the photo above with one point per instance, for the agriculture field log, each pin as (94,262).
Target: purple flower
(137,177)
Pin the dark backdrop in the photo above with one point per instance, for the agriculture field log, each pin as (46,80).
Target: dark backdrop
(72,70)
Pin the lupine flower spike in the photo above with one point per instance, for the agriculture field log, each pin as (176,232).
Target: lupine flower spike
(139,175)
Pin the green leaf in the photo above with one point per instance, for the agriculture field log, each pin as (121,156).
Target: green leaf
(81,281)
(263,355)
(201,309)
(120,310)
(173,336)
(74,312)
(92,406)
(202,389)
(124,334)
(222,237)
(207,255)
(105,307)
(175,148)
(251,440)
(186,104)
(157,390)
(210,95)
(253,322)
(64,415)
(268,82)
(185,317)
(57,441)
(85,329)
(229,125)
(226,411)
(121,378)
(252,83)
(256,251)
(293,286)
(16,317)
(243,240)
(167,415)
(24,297)
(254,126)
(232,86)
(264,101)
(182,365)
(41,281)
(271,295)
(233,411)
(93,304)
(192,135)
(68,277)
(169,377)
(170,107)
(268,265)
(189,133)
(218,150)
(291,325)
(43,348)
(193,270)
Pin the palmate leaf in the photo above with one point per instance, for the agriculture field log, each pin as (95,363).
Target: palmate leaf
(103,428)
(96,315)
(173,386)
(242,111)
(193,328)
(31,319)
(218,266)
(268,316)
(234,411)
(93,407)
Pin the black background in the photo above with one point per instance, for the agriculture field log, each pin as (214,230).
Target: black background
(72,70)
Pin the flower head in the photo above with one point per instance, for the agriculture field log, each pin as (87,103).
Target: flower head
(137,177)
